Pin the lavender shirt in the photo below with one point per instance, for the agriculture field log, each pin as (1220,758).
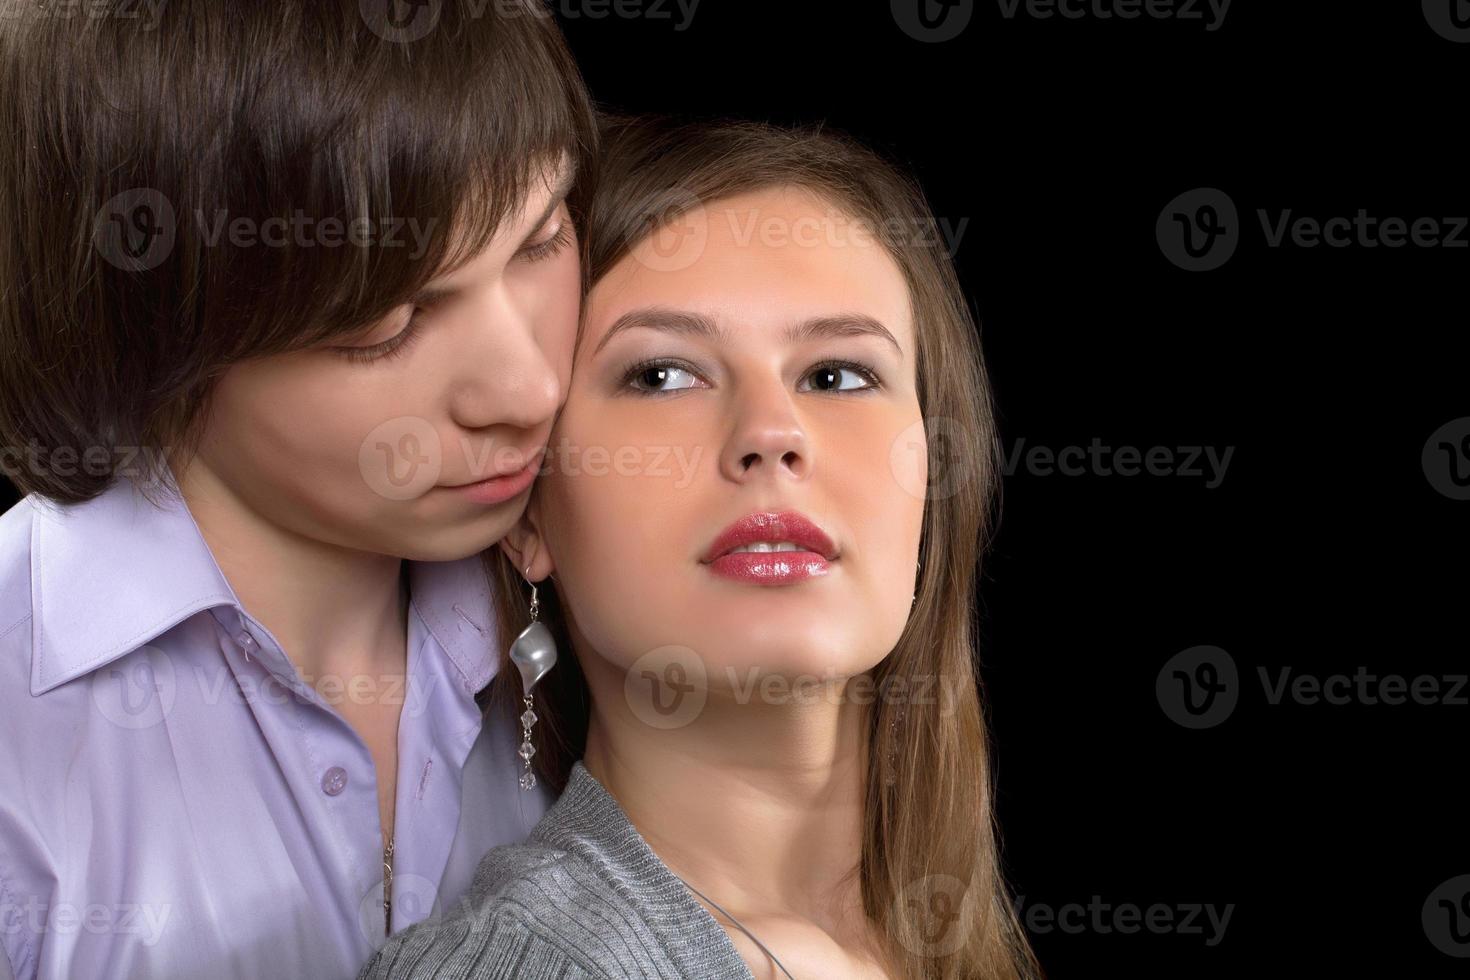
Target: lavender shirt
(177,801)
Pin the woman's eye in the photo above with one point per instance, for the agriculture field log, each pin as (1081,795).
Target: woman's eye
(829,377)
(655,377)
(659,376)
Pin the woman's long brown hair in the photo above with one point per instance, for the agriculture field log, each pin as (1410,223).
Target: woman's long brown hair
(930,858)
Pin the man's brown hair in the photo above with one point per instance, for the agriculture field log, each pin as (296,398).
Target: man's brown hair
(189,184)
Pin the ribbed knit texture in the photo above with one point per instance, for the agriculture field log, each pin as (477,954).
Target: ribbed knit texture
(584,898)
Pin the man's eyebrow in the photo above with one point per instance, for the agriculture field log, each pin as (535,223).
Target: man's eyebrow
(433,292)
(697,324)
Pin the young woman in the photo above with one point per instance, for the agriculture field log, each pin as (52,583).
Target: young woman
(276,314)
(765,712)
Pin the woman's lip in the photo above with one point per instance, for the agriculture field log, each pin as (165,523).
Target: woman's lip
(499,489)
(770,526)
(770,567)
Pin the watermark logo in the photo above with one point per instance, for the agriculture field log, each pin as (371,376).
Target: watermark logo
(1198,687)
(36,916)
(672,234)
(1104,918)
(936,914)
(933,21)
(1207,463)
(401,458)
(1199,230)
(146,14)
(1450,19)
(415,899)
(1446,917)
(1209,12)
(401,21)
(135,230)
(1446,459)
(667,687)
(928,460)
(137,691)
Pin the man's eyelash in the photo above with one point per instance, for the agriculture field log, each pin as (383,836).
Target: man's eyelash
(398,344)
(548,248)
(395,346)
(634,370)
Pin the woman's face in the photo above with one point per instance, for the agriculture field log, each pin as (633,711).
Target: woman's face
(723,377)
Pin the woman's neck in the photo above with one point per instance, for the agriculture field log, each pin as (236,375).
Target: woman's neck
(758,806)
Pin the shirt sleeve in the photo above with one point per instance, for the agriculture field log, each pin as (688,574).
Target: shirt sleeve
(501,944)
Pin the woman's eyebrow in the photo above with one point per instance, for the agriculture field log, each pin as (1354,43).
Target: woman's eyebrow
(697,324)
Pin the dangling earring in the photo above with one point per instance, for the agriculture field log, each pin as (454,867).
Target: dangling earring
(533,653)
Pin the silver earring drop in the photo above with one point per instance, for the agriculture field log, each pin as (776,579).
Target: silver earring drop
(533,653)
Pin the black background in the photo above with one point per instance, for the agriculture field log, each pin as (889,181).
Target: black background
(1324,370)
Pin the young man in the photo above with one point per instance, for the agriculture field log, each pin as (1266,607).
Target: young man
(288,295)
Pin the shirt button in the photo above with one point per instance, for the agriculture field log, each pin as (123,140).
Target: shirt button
(334,780)
(246,640)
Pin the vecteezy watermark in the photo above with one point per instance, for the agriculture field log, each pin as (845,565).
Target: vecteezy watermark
(673,231)
(1446,917)
(406,21)
(415,899)
(836,229)
(35,916)
(832,687)
(142,689)
(1450,19)
(1210,13)
(932,458)
(935,21)
(572,459)
(678,13)
(1199,230)
(137,230)
(934,915)
(38,460)
(403,458)
(1097,459)
(1105,918)
(668,687)
(1201,687)
(304,231)
(1446,459)
(144,14)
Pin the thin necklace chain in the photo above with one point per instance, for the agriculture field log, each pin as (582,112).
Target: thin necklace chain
(739,926)
(388,885)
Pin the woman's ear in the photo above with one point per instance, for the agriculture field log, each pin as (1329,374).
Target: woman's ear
(525,545)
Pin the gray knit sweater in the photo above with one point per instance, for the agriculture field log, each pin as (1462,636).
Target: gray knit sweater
(584,898)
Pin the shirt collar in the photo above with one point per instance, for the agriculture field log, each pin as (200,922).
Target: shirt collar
(110,574)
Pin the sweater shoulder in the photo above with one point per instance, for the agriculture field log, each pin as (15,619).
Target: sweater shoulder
(532,911)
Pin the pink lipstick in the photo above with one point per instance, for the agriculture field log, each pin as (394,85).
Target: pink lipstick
(771,549)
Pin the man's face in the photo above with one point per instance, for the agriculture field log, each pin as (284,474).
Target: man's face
(376,446)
